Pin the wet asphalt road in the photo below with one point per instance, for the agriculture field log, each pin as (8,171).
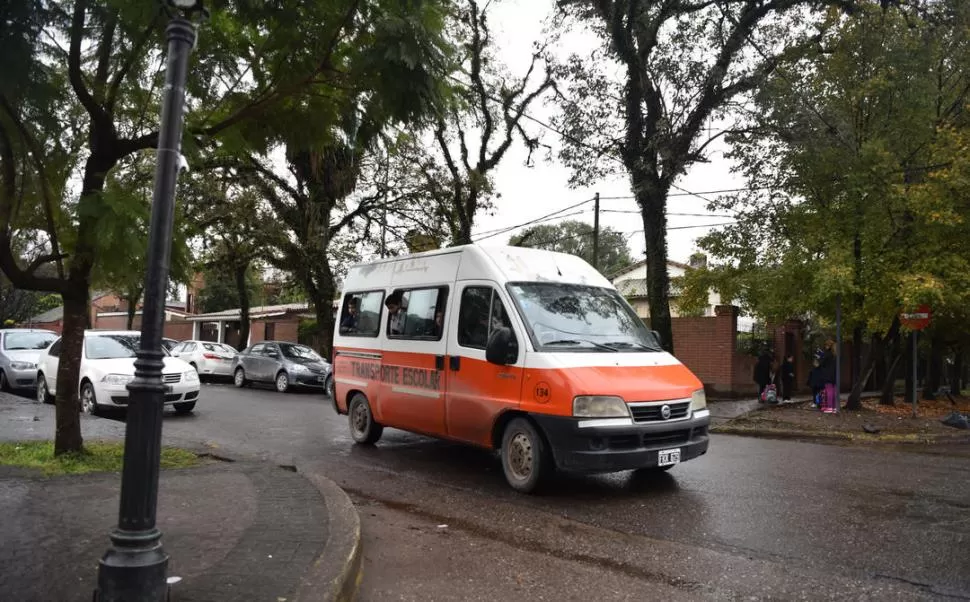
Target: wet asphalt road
(752,518)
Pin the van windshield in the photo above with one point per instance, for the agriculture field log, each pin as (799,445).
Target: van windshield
(581,318)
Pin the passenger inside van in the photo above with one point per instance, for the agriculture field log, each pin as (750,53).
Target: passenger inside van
(395,314)
(348,324)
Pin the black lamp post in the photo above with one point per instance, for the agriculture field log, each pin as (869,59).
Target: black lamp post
(134,567)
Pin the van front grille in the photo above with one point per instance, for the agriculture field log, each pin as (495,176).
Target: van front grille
(652,413)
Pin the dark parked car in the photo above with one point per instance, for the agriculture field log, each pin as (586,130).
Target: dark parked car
(284,364)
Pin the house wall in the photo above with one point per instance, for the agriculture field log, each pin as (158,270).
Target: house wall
(285,328)
(54,326)
(639,274)
(173,328)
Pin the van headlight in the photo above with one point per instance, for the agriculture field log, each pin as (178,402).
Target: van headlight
(698,400)
(600,406)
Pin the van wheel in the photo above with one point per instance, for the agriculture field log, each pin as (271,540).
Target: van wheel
(524,456)
(363,428)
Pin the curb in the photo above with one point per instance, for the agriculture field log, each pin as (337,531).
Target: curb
(336,574)
(837,436)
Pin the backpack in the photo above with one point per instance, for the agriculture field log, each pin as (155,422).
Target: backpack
(770,394)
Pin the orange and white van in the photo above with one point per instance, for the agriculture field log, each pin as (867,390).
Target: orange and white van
(530,352)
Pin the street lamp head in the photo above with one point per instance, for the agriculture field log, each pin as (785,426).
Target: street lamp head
(187,7)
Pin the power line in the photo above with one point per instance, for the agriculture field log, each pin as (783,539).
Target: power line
(673,213)
(547,217)
(723,191)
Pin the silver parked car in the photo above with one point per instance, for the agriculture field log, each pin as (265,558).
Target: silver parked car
(287,365)
(19,350)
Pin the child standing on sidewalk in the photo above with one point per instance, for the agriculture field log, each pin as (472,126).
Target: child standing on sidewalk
(827,368)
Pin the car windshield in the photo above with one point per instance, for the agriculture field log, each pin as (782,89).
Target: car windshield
(581,318)
(112,346)
(15,341)
(218,347)
(299,352)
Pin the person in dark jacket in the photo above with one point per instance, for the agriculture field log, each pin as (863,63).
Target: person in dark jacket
(787,377)
(826,375)
(762,373)
(815,379)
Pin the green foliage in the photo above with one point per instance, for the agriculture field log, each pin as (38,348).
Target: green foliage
(95,457)
(576,238)
(863,152)
(220,292)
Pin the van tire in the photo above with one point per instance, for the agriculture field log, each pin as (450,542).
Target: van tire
(525,459)
(363,428)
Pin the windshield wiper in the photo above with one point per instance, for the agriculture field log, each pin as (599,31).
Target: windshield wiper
(623,344)
(579,342)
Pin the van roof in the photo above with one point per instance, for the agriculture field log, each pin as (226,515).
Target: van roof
(502,264)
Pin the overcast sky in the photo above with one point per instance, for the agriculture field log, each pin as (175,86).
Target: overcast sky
(531,192)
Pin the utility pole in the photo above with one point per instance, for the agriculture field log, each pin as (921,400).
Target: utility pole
(134,567)
(596,231)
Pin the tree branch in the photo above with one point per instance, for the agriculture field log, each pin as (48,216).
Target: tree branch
(136,50)
(74,64)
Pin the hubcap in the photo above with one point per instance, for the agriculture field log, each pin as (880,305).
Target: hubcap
(87,400)
(42,391)
(281,382)
(239,378)
(361,418)
(331,390)
(520,456)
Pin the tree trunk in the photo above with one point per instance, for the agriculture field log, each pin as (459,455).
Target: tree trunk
(934,367)
(861,377)
(132,300)
(908,369)
(888,396)
(658,280)
(243,291)
(958,373)
(321,295)
(67,435)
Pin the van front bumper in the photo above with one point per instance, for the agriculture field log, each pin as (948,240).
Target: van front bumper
(591,446)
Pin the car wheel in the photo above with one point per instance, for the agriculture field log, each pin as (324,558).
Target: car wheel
(329,387)
(282,382)
(43,394)
(184,407)
(239,378)
(4,384)
(89,403)
(363,427)
(524,456)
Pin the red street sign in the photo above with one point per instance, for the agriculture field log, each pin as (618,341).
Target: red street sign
(917,320)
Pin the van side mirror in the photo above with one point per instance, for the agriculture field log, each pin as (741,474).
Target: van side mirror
(502,348)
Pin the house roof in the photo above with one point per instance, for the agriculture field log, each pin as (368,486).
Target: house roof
(640,264)
(634,288)
(262,311)
(51,315)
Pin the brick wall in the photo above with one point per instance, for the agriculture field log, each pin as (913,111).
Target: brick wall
(284,329)
(706,346)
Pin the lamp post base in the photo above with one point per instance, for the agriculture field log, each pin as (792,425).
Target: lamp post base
(134,568)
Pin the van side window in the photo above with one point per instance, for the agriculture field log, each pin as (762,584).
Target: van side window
(481,312)
(361,314)
(416,313)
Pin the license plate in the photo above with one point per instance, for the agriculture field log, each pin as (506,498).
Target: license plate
(668,457)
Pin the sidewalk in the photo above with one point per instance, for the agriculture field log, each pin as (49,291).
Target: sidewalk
(233,530)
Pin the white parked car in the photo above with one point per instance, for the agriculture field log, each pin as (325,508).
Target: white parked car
(208,358)
(107,366)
